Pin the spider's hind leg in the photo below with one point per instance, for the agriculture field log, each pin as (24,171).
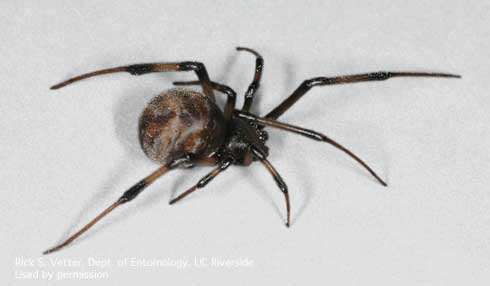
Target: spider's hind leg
(127,196)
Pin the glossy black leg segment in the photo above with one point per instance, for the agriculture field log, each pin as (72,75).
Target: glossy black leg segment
(310,134)
(230,102)
(319,81)
(140,69)
(204,181)
(279,181)
(254,86)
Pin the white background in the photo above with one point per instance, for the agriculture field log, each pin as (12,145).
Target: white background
(68,154)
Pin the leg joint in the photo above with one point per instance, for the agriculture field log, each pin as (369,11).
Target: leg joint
(191,66)
(283,188)
(252,88)
(202,183)
(309,83)
(225,89)
(379,75)
(132,192)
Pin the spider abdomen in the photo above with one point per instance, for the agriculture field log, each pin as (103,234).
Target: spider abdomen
(179,122)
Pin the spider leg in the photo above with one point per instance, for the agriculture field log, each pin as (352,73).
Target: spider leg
(204,181)
(127,196)
(130,194)
(230,102)
(139,69)
(190,82)
(319,81)
(279,181)
(254,86)
(310,134)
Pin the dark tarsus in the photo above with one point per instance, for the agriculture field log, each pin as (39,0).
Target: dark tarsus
(246,136)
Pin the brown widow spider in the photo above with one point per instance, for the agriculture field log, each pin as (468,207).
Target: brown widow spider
(184,128)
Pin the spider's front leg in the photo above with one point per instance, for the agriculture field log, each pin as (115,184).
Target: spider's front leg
(140,69)
(320,81)
(252,88)
(254,85)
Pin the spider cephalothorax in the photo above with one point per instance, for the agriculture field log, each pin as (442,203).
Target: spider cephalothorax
(184,128)
(243,139)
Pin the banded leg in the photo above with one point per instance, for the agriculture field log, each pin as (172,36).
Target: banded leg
(127,196)
(279,181)
(310,134)
(254,86)
(204,181)
(139,69)
(319,81)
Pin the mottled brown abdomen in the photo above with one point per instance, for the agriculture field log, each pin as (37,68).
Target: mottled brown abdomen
(179,122)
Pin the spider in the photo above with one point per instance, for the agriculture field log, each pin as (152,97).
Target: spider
(182,128)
